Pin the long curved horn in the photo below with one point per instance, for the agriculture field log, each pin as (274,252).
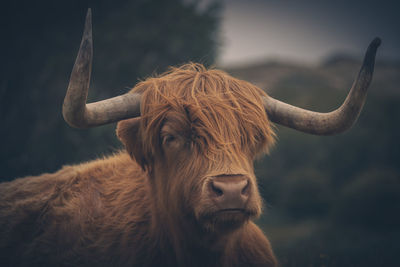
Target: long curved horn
(75,111)
(333,122)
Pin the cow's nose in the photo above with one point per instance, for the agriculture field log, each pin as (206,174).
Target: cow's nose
(230,192)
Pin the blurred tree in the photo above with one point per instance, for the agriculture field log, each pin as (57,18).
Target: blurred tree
(370,201)
(306,194)
(40,39)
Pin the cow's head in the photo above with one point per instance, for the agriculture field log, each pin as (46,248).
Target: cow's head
(198,135)
(197,131)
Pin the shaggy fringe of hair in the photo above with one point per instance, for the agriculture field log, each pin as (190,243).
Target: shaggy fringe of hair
(226,114)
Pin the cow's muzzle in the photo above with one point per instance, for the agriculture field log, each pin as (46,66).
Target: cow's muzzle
(230,193)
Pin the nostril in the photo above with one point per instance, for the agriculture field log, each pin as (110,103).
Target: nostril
(245,190)
(217,191)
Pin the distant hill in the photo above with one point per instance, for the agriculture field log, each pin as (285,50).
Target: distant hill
(336,72)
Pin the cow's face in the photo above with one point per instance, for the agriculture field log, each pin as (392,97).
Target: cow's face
(217,187)
(198,149)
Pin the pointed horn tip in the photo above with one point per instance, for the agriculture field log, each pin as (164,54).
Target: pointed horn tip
(369,59)
(87,30)
(89,13)
(375,43)
(88,20)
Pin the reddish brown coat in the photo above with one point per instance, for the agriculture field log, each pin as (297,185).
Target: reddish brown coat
(156,212)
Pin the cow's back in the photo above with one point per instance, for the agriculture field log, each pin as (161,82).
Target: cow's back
(25,204)
(68,217)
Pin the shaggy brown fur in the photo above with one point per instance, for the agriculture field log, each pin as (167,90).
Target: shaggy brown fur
(196,124)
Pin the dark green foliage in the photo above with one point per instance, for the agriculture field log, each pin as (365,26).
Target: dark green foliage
(370,201)
(335,201)
(305,194)
(132,40)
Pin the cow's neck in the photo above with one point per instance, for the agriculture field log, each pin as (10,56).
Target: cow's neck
(178,234)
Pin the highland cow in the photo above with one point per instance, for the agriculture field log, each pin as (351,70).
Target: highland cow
(183,193)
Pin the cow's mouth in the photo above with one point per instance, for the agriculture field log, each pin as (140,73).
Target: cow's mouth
(231,211)
(225,220)
(226,215)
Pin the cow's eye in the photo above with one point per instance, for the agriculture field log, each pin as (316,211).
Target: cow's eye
(167,139)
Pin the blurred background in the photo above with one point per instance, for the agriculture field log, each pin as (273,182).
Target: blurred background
(331,201)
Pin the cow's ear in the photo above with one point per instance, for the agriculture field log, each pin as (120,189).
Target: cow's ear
(129,134)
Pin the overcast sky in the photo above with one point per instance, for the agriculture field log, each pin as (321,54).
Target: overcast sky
(306,31)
